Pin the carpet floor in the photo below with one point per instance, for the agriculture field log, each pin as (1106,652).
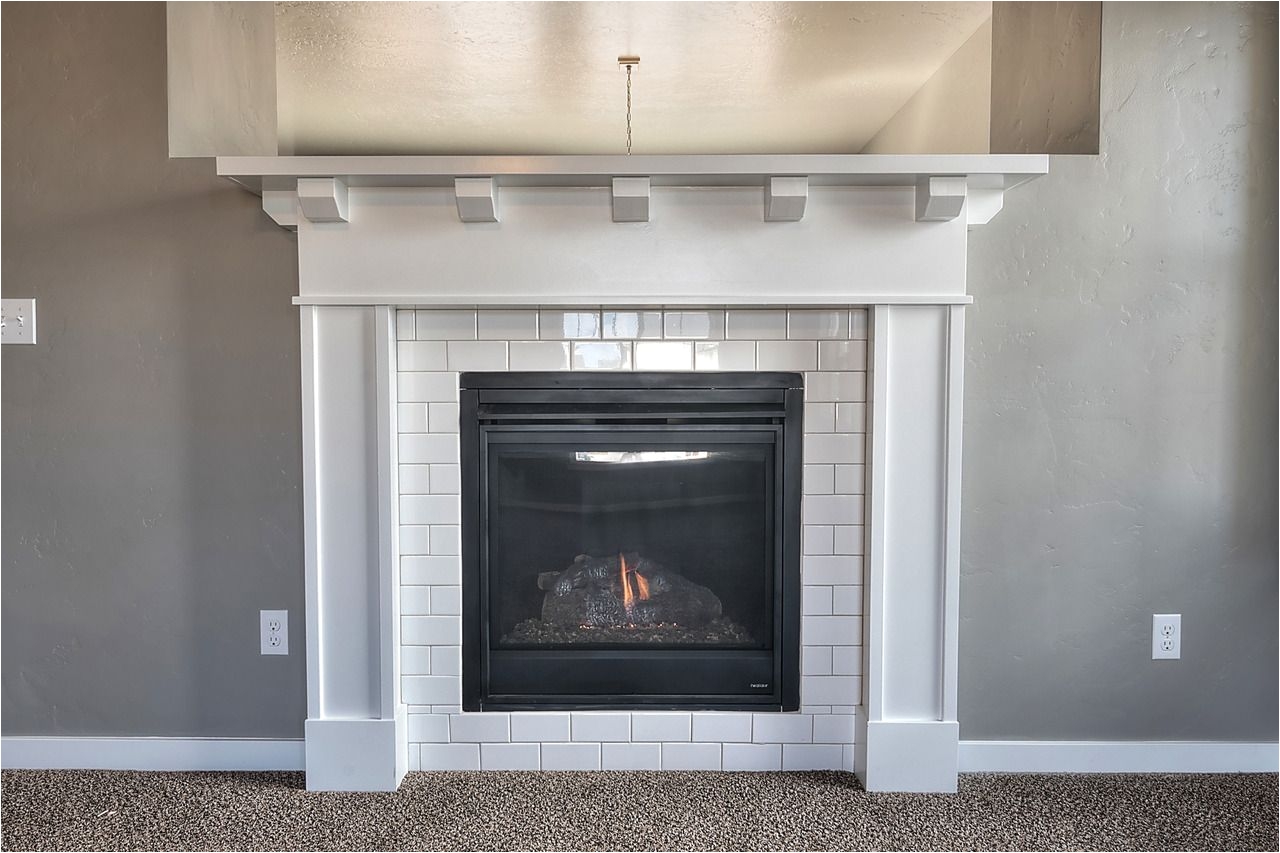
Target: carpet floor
(109,810)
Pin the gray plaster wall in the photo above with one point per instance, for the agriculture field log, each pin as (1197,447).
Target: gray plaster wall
(151,447)
(1120,410)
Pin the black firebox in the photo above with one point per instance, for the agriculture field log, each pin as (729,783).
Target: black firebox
(631,540)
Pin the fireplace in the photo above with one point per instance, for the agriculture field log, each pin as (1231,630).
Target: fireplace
(631,540)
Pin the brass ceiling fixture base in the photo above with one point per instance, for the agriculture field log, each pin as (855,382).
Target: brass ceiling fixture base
(628,61)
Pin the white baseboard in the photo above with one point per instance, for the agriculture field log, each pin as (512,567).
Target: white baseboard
(1085,756)
(149,753)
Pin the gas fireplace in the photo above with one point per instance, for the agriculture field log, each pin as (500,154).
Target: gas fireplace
(631,540)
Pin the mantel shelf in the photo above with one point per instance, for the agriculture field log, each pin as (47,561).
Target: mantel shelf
(993,171)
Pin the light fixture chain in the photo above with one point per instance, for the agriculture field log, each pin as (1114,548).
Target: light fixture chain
(628,110)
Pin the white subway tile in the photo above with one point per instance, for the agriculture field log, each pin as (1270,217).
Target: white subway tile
(416,660)
(850,761)
(782,728)
(815,710)
(404,325)
(447,710)
(510,756)
(859,324)
(571,756)
(428,728)
(808,325)
(411,417)
(833,728)
(755,325)
(846,600)
(831,631)
(787,355)
(539,726)
(415,760)
(446,540)
(421,448)
(568,325)
(414,540)
(442,417)
(851,417)
(848,539)
(817,539)
(815,601)
(415,479)
(819,417)
(724,355)
(477,355)
(752,756)
(829,689)
(506,325)
(430,631)
(835,569)
(833,448)
(833,387)
(696,325)
(664,355)
(446,660)
(415,601)
(430,509)
(450,756)
(849,480)
(446,600)
(614,355)
(601,726)
(842,355)
(426,689)
(445,479)
(630,756)
(487,727)
(659,726)
(431,571)
(539,355)
(832,509)
(819,479)
(631,325)
(812,756)
(815,660)
(427,387)
(846,660)
(721,727)
(437,325)
(418,356)
(691,756)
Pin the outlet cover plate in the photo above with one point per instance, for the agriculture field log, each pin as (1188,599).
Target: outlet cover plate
(274,630)
(17,321)
(1166,636)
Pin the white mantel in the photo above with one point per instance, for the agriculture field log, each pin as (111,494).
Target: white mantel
(885,232)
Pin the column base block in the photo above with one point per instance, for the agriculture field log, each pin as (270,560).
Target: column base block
(357,755)
(909,755)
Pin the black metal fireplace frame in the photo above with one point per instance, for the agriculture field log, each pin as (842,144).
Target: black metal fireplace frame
(664,407)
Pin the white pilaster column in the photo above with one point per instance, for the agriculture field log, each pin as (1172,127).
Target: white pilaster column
(356,727)
(908,734)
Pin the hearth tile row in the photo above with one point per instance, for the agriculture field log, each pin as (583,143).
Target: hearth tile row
(630,756)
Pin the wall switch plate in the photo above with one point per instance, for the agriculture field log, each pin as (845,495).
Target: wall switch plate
(1166,636)
(275,632)
(17,321)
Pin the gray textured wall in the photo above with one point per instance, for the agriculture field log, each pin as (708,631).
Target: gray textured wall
(1120,423)
(151,447)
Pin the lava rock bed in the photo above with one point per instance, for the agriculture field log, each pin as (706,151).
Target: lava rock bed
(718,632)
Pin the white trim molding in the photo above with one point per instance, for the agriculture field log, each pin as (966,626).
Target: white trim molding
(1100,756)
(149,753)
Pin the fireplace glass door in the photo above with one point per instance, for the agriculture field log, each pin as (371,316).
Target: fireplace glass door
(626,554)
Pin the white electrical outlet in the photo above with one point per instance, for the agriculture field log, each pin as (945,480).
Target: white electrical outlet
(17,321)
(1166,636)
(275,632)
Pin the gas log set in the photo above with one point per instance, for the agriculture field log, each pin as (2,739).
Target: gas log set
(626,598)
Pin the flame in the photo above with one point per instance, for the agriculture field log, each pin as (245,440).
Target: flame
(642,586)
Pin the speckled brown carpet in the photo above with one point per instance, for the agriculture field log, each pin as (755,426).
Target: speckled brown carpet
(102,810)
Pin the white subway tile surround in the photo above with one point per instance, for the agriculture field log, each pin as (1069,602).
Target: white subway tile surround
(829,346)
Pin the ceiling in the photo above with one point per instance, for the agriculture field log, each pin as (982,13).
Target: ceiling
(543,78)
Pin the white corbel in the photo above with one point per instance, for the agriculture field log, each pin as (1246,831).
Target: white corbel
(785,198)
(323,199)
(939,198)
(477,199)
(282,207)
(630,199)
